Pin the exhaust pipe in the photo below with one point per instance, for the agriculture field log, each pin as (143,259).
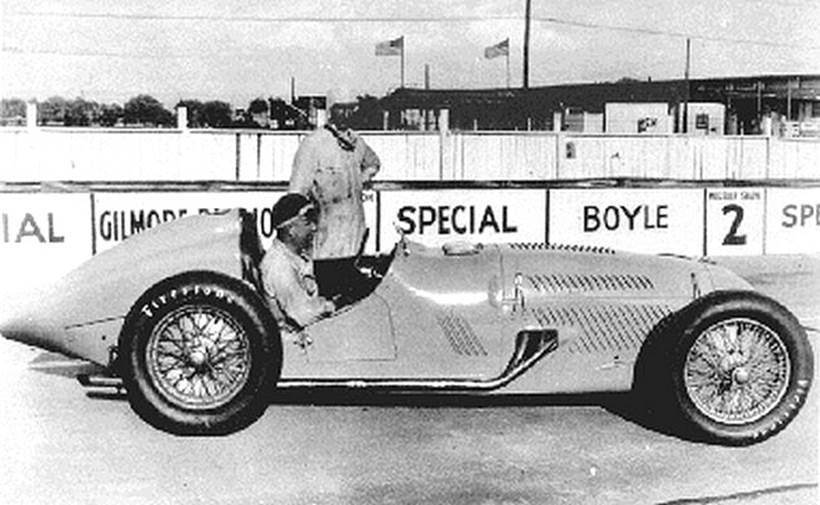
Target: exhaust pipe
(530,347)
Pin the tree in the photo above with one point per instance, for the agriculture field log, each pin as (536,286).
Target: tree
(12,107)
(257,115)
(52,110)
(194,112)
(145,109)
(258,106)
(217,114)
(79,112)
(110,114)
(283,115)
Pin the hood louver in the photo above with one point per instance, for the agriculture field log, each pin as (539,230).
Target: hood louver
(541,246)
(587,283)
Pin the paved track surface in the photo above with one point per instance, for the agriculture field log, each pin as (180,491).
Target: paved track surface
(60,445)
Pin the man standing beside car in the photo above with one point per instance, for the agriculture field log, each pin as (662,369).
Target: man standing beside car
(332,166)
(287,268)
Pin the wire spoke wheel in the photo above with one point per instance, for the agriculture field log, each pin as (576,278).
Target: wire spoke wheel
(737,371)
(198,357)
(199,354)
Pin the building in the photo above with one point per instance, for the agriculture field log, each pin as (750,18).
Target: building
(300,114)
(785,104)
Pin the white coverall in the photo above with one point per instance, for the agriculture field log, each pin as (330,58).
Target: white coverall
(331,167)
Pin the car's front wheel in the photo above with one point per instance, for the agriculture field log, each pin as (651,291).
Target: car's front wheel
(735,369)
(198,355)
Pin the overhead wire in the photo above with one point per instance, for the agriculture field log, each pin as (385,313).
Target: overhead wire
(368,19)
(263,19)
(797,4)
(668,33)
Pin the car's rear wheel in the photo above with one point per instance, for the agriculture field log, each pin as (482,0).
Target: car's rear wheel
(734,368)
(198,354)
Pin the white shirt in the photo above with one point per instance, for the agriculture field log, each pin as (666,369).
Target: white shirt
(290,286)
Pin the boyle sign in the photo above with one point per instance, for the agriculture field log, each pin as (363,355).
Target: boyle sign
(640,220)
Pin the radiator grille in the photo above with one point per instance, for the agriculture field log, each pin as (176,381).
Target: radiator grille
(604,327)
(578,283)
(460,335)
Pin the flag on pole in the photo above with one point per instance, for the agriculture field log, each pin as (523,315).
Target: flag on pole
(500,49)
(390,47)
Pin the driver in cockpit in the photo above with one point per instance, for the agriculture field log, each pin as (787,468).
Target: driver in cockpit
(287,268)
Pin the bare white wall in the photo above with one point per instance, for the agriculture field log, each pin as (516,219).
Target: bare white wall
(85,154)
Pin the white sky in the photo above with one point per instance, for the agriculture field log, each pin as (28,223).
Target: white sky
(111,50)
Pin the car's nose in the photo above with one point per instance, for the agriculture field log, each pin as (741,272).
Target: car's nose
(29,322)
(14,325)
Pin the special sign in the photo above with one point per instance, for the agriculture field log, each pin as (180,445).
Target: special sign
(792,220)
(638,220)
(482,216)
(734,221)
(42,235)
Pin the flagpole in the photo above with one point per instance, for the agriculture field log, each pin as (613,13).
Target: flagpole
(402,61)
(527,8)
(508,68)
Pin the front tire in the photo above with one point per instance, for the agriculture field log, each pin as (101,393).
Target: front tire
(199,354)
(735,369)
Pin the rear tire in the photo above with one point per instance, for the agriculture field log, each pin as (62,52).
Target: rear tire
(199,354)
(733,367)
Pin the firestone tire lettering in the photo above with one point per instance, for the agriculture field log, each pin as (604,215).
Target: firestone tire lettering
(215,407)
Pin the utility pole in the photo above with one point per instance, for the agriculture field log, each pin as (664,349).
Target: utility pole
(527,17)
(789,100)
(402,61)
(686,93)
(426,86)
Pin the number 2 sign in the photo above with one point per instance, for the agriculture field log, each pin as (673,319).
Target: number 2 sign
(734,221)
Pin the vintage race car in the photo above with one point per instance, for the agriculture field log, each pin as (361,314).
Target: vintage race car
(177,314)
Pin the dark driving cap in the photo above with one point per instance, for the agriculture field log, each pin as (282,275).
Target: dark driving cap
(288,207)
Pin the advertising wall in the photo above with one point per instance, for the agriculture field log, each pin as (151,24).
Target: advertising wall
(43,235)
(735,219)
(118,215)
(481,215)
(639,220)
(792,220)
